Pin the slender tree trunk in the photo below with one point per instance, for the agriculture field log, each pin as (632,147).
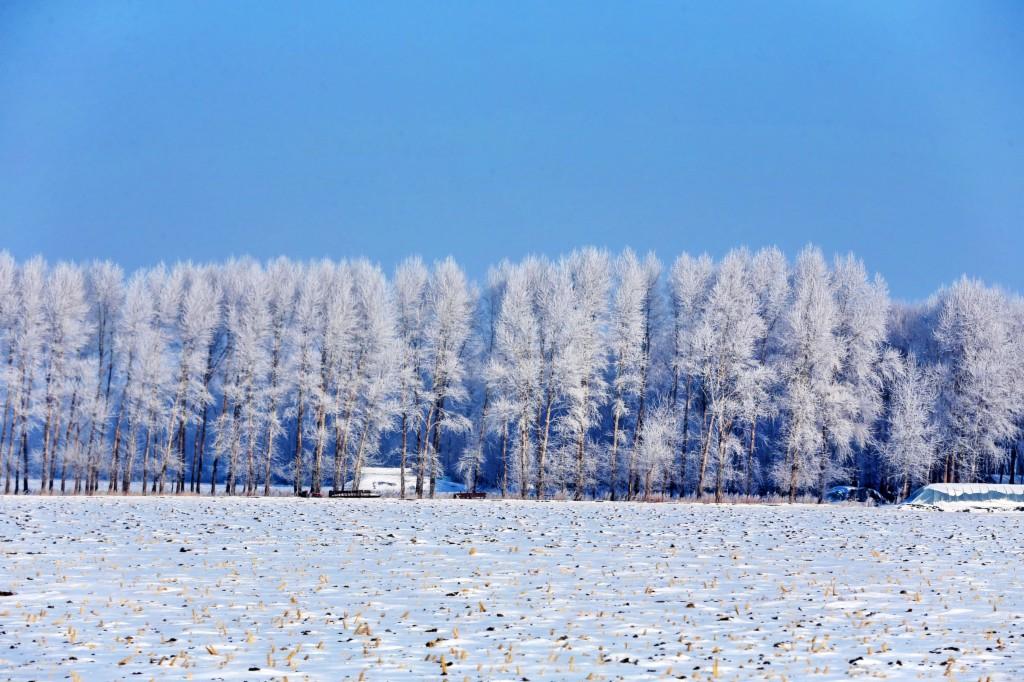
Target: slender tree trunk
(341,435)
(614,457)
(297,483)
(705,451)
(126,480)
(216,450)
(268,447)
(685,441)
(524,439)
(436,455)
(750,457)
(24,438)
(420,457)
(115,455)
(198,449)
(405,447)
(181,449)
(357,469)
(318,450)
(543,446)
(794,472)
(580,478)
(504,459)
(720,473)
(5,464)
(72,414)
(823,470)
(236,437)
(145,455)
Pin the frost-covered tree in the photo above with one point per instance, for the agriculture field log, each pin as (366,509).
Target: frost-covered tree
(189,328)
(64,311)
(585,364)
(304,365)
(980,400)
(146,371)
(410,290)
(769,277)
(629,346)
(910,451)
(473,459)
(449,313)
(689,284)
(552,290)
(105,284)
(862,307)
(815,404)
(656,448)
(374,370)
(27,338)
(515,369)
(8,316)
(726,347)
(281,287)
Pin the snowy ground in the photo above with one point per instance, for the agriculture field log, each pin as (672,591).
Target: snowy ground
(253,589)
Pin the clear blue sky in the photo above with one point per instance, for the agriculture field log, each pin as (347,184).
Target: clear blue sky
(148,131)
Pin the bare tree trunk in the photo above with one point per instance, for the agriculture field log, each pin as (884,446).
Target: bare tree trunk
(341,435)
(45,468)
(720,473)
(250,464)
(268,447)
(823,470)
(5,463)
(436,455)
(524,438)
(216,450)
(580,478)
(614,457)
(357,468)
(420,457)
(181,450)
(233,459)
(685,441)
(126,480)
(543,445)
(297,482)
(198,449)
(145,455)
(793,473)
(750,457)
(704,453)
(24,438)
(67,442)
(115,455)
(504,459)
(405,446)
(318,450)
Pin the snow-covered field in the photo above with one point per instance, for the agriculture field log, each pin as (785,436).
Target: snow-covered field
(252,589)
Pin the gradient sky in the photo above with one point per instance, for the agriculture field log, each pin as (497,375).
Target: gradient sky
(148,131)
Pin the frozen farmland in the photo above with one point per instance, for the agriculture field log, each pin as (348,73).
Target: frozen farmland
(257,589)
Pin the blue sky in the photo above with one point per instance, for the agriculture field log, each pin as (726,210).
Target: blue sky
(148,131)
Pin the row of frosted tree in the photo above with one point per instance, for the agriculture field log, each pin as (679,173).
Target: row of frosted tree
(591,375)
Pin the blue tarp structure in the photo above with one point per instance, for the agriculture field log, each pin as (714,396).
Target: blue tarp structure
(968,494)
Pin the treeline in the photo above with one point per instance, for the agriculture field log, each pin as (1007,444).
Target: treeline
(589,375)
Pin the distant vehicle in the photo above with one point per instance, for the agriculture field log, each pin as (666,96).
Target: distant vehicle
(849,493)
(968,496)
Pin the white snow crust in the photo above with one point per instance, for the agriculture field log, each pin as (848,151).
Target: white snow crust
(318,589)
